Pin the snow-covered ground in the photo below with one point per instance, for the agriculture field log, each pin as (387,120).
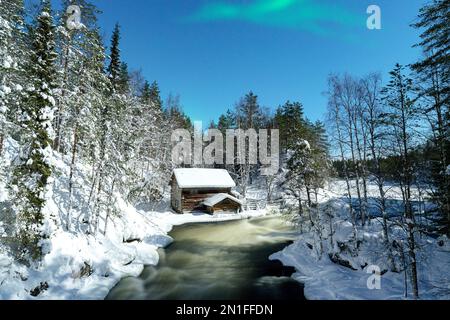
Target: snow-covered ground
(325,279)
(80,265)
(83,266)
(132,243)
(86,267)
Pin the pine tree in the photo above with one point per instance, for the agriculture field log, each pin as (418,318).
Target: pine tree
(175,115)
(299,164)
(320,155)
(248,112)
(124,79)
(434,19)
(226,121)
(295,148)
(433,72)
(308,160)
(115,67)
(151,98)
(146,94)
(155,96)
(289,119)
(32,174)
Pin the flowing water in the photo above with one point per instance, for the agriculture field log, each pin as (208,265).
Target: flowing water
(216,261)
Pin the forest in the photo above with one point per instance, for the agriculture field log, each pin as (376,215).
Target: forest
(78,126)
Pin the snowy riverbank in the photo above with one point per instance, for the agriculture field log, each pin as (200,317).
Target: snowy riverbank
(86,267)
(346,278)
(326,280)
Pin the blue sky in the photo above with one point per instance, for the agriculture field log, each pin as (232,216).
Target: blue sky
(213,52)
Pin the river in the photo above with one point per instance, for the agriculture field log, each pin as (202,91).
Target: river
(215,261)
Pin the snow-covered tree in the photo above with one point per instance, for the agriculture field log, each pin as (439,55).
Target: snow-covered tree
(372,117)
(33,171)
(82,95)
(12,39)
(335,115)
(401,119)
(147,124)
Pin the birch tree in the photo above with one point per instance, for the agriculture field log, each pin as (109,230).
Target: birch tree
(376,140)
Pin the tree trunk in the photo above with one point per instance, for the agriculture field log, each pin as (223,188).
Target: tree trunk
(72,169)
(2,138)
(97,205)
(364,165)
(300,206)
(59,114)
(360,169)
(308,194)
(380,185)
(347,179)
(355,162)
(405,268)
(410,221)
(108,212)
(440,128)
(412,256)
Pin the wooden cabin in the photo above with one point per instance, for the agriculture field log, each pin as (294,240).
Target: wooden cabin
(222,202)
(207,190)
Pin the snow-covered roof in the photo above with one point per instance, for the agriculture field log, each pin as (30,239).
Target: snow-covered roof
(203,178)
(217,198)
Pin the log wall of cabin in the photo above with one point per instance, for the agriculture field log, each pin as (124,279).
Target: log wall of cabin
(176,201)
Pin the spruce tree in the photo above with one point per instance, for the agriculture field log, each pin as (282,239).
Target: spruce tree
(146,93)
(124,79)
(226,121)
(32,174)
(248,112)
(433,71)
(155,96)
(115,64)
(320,155)
(289,119)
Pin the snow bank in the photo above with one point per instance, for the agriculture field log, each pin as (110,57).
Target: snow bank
(86,267)
(325,280)
(347,279)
